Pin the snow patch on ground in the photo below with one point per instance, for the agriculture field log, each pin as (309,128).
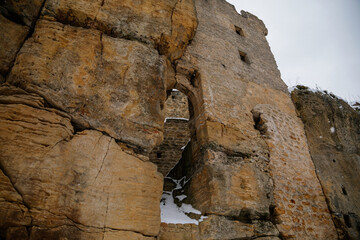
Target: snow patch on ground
(171,118)
(181,197)
(171,213)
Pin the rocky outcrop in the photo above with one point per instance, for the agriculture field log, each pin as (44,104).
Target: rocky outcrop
(67,184)
(333,134)
(168,25)
(104,77)
(82,106)
(12,36)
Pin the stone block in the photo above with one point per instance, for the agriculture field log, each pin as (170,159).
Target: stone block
(167,24)
(179,232)
(231,187)
(219,227)
(12,36)
(112,85)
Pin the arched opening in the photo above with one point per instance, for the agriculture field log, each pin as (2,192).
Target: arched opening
(175,159)
(176,132)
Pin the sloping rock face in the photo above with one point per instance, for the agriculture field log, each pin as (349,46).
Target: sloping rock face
(333,133)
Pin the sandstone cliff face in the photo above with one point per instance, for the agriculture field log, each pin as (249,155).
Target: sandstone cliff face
(102,77)
(82,185)
(82,107)
(333,133)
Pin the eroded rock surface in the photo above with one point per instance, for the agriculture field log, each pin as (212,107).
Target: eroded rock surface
(112,85)
(168,25)
(299,207)
(72,185)
(24,12)
(333,132)
(227,71)
(12,36)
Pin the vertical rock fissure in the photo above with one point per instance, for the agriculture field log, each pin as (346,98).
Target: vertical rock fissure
(30,33)
(102,50)
(106,213)
(103,160)
(326,197)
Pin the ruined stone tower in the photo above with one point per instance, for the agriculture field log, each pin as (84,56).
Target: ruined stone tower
(90,124)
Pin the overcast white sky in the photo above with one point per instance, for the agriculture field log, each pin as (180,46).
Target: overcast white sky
(315,42)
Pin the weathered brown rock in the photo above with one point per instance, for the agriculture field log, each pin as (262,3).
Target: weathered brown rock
(84,180)
(226,73)
(333,132)
(12,36)
(25,12)
(300,209)
(167,24)
(112,85)
(219,227)
(13,213)
(231,186)
(179,232)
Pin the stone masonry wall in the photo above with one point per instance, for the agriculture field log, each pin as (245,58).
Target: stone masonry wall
(168,153)
(176,133)
(177,106)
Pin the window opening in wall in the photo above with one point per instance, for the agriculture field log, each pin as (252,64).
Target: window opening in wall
(239,31)
(244,57)
(175,159)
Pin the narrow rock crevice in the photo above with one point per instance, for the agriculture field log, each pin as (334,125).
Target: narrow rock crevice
(30,33)
(107,210)
(101,49)
(336,223)
(103,160)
